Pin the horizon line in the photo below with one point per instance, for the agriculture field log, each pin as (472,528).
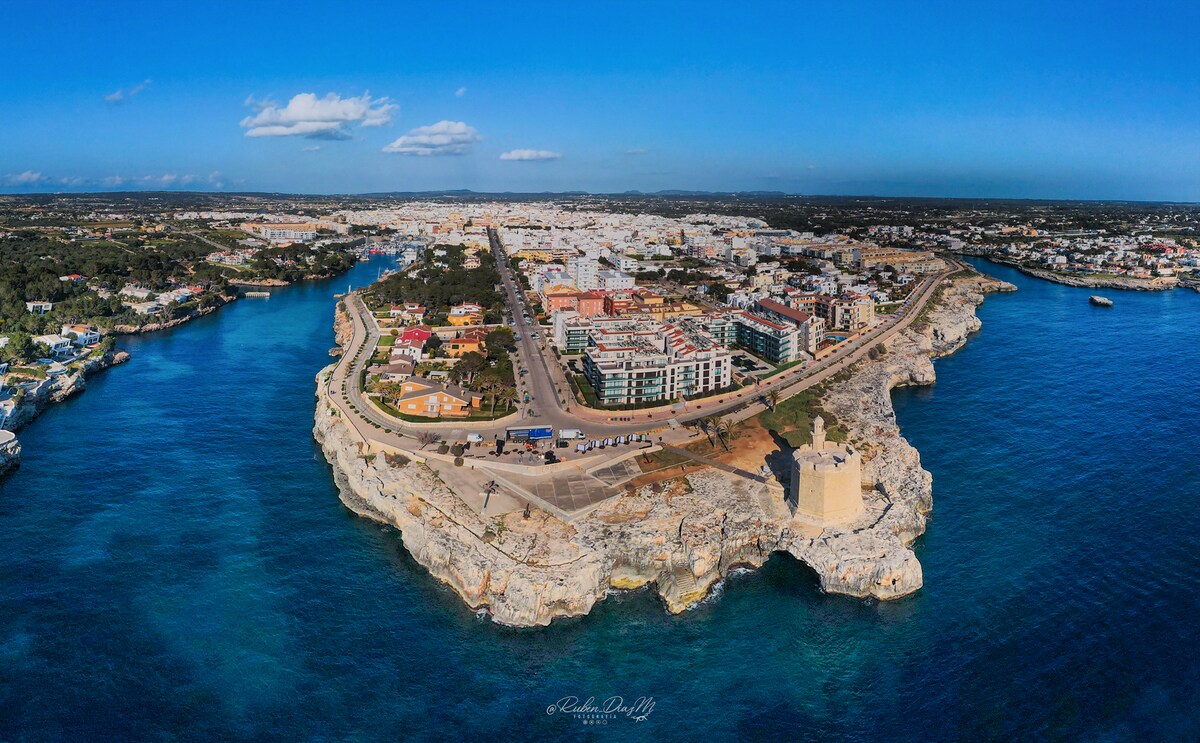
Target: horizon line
(662,193)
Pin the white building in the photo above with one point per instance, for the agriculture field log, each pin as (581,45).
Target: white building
(644,362)
(614,280)
(59,345)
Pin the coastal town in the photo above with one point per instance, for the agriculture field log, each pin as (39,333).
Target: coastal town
(601,359)
(551,364)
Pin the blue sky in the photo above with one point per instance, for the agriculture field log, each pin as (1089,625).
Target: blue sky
(1039,100)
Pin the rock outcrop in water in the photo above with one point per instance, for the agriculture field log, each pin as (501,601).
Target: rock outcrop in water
(681,537)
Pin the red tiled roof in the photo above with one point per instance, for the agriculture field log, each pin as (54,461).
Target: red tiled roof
(794,315)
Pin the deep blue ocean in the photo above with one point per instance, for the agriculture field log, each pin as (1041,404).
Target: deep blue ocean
(175,563)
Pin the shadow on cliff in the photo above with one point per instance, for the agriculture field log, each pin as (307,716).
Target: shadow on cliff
(779,461)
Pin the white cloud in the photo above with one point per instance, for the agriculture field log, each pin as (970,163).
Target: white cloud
(72,181)
(636,151)
(530,155)
(314,148)
(27,178)
(163,180)
(460,92)
(442,138)
(305,115)
(121,95)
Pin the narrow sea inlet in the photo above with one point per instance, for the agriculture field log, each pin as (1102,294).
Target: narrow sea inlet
(175,562)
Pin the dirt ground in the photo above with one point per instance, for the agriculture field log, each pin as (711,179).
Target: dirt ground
(749,450)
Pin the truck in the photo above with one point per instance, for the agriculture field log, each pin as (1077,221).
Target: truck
(528,434)
(570,433)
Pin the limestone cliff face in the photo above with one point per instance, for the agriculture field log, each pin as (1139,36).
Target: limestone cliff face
(10,457)
(343,330)
(164,325)
(680,537)
(873,557)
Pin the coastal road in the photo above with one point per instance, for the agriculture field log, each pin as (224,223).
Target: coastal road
(543,388)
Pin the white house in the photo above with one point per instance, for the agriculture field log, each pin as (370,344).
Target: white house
(135,292)
(39,308)
(615,280)
(84,336)
(58,344)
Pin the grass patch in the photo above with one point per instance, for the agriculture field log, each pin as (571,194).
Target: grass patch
(921,321)
(792,418)
(584,387)
(661,460)
(782,368)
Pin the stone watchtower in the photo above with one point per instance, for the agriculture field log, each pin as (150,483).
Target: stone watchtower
(826,485)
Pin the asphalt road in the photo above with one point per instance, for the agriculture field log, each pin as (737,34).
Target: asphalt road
(544,378)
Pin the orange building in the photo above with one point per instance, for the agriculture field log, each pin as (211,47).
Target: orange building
(431,400)
(472,340)
(465,314)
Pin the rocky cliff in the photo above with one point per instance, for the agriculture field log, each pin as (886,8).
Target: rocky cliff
(343,329)
(60,388)
(680,537)
(150,327)
(872,557)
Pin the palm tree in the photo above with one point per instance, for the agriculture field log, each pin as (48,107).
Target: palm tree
(507,394)
(773,399)
(489,387)
(708,424)
(726,430)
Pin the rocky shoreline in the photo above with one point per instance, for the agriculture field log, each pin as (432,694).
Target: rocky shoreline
(10,452)
(153,326)
(1164,283)
(60,388)
(682,537)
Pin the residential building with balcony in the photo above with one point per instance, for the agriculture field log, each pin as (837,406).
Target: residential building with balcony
(646,362)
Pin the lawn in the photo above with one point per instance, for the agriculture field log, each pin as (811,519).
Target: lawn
(792,418)
(661,460)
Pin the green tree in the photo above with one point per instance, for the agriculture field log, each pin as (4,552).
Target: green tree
(468,367)
(507,395)
(19,349)
(498,341)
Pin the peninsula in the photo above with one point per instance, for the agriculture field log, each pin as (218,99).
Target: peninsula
(536,508)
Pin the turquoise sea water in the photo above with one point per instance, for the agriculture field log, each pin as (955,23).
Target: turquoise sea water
(175,563)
